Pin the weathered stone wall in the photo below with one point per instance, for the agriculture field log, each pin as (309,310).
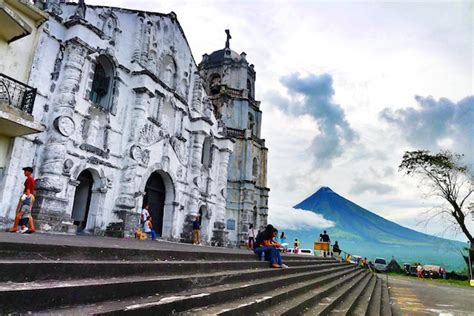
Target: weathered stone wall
(153,119)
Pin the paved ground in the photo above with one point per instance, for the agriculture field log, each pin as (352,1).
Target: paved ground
(109,242)
(413,297)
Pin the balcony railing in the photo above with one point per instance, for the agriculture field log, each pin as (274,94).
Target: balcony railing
(235,133)
(17,94)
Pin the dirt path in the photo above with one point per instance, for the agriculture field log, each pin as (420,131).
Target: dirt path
(412,297)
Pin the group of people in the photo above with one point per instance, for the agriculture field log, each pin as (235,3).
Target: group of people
(267,248)
(23,222)
(146,223)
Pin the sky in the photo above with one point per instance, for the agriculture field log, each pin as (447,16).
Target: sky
(346,88)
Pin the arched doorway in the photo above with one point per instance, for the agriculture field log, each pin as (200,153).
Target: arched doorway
(82,199)
(155,194)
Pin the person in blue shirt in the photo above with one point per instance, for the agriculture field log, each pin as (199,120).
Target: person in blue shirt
(197,231)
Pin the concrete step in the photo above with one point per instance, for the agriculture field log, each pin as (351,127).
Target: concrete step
(25,271)
(43,294)
(349,303)
(154,250)
(198,296)
(386,306)
(374,307)
(361,304)
(323,303)
(274,301)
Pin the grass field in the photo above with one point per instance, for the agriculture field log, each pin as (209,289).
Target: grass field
(452,282)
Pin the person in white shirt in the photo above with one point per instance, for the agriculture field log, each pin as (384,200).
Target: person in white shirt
(252,235)
(145,214)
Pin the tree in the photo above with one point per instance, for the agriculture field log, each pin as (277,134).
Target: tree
(448,179)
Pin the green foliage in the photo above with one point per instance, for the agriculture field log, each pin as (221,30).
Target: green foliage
(448,178)
(441,164)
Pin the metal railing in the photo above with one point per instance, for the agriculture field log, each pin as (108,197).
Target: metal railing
(17,94)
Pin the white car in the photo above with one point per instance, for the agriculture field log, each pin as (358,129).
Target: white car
(380,264)
(305,252)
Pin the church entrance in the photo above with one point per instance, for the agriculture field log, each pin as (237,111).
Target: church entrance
(82,199)
(155,194)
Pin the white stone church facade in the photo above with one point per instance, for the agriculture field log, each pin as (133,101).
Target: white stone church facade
(131,121)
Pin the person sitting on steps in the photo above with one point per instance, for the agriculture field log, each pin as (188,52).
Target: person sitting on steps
(148,227)
(266,247)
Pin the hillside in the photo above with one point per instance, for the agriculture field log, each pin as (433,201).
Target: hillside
(364,233)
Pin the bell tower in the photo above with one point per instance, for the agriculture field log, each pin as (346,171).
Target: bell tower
(230,83)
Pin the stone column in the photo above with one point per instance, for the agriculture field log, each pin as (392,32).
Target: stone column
(50,210)
(196,103)
(127,199)
(195,175)
(219,234)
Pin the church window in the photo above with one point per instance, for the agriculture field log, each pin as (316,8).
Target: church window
(231,224)
(215,84)
(206,153)
(255,168)
(102,83)
(251,122)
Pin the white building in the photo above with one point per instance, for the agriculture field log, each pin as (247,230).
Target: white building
(130,123)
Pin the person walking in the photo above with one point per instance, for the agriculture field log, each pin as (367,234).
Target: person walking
(28,185)
(252,235)
(197,230)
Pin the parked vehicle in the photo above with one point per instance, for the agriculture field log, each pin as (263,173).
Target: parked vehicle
(409,269)
(380,264)
(431,271)
(305,252)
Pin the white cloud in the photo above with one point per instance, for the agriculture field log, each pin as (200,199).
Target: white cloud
(285,217)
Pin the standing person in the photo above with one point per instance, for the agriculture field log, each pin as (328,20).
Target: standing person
(25,211)
(144,215)
(197,231)
(325,238)
(283,242)
(148,228)
(419,271)
(252,235)
(267,248)
(28,185)
(336,248)
(296,246)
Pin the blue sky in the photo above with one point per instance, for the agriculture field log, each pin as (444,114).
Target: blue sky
(346,87)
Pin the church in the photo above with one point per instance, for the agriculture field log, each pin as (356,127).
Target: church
(132,120)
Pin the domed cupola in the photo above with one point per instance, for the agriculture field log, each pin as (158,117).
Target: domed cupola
(225,68)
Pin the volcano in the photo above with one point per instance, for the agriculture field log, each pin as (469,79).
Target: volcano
(361,232)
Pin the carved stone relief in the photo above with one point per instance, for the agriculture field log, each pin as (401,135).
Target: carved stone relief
(64,125)
(179,147)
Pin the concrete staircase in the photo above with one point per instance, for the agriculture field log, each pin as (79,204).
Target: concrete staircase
(66,279)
